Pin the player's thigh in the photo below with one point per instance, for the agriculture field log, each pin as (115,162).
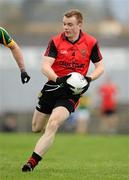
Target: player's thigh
(39,121)
(58,116)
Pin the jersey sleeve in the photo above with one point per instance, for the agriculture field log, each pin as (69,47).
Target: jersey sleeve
(95,54)
(5,38)
(51,50)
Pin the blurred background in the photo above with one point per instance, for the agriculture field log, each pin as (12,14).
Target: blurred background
(31,24)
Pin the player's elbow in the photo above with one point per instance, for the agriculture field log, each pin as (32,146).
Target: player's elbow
(102,69)
(44,70)
(44,67)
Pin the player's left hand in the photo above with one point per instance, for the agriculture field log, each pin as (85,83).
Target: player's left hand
(62,80)
(24,77)
(88,79)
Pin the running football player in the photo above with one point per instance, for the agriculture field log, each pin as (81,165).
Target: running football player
(70,51)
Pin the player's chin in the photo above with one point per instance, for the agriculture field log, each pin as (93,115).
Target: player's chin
(67,34)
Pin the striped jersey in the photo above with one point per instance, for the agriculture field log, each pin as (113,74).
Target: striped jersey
(5,38)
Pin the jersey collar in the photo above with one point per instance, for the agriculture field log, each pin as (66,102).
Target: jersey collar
(80,35)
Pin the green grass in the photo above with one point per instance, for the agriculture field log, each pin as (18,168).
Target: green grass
(72,157)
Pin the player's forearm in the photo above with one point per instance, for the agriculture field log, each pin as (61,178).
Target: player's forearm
(17,54)
(98,71)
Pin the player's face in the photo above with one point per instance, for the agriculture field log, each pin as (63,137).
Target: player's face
(71,27)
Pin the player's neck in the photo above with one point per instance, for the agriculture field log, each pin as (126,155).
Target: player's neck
(75,38)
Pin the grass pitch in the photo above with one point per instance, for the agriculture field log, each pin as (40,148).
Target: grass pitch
(72,157)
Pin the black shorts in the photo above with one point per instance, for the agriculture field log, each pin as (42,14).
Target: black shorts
(52,96)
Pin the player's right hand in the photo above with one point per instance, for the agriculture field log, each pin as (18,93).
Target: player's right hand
(62,81)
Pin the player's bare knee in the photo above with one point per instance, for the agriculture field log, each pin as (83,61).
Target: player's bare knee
(35,129)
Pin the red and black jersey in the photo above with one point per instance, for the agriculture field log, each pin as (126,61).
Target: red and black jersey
(108,94)
(73,57)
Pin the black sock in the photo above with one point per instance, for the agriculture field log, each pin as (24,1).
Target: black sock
(34,159)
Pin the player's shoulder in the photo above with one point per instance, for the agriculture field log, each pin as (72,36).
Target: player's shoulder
(89,36)
(89,39)
(58,36)
(57,39)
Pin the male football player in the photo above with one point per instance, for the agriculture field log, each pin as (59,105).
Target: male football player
(70,51)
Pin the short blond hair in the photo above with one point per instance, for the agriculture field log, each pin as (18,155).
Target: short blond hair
(76,13)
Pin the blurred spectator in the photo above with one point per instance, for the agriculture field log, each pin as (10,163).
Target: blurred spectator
(108,106)
(9,124)
(110,27)
(83,115)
